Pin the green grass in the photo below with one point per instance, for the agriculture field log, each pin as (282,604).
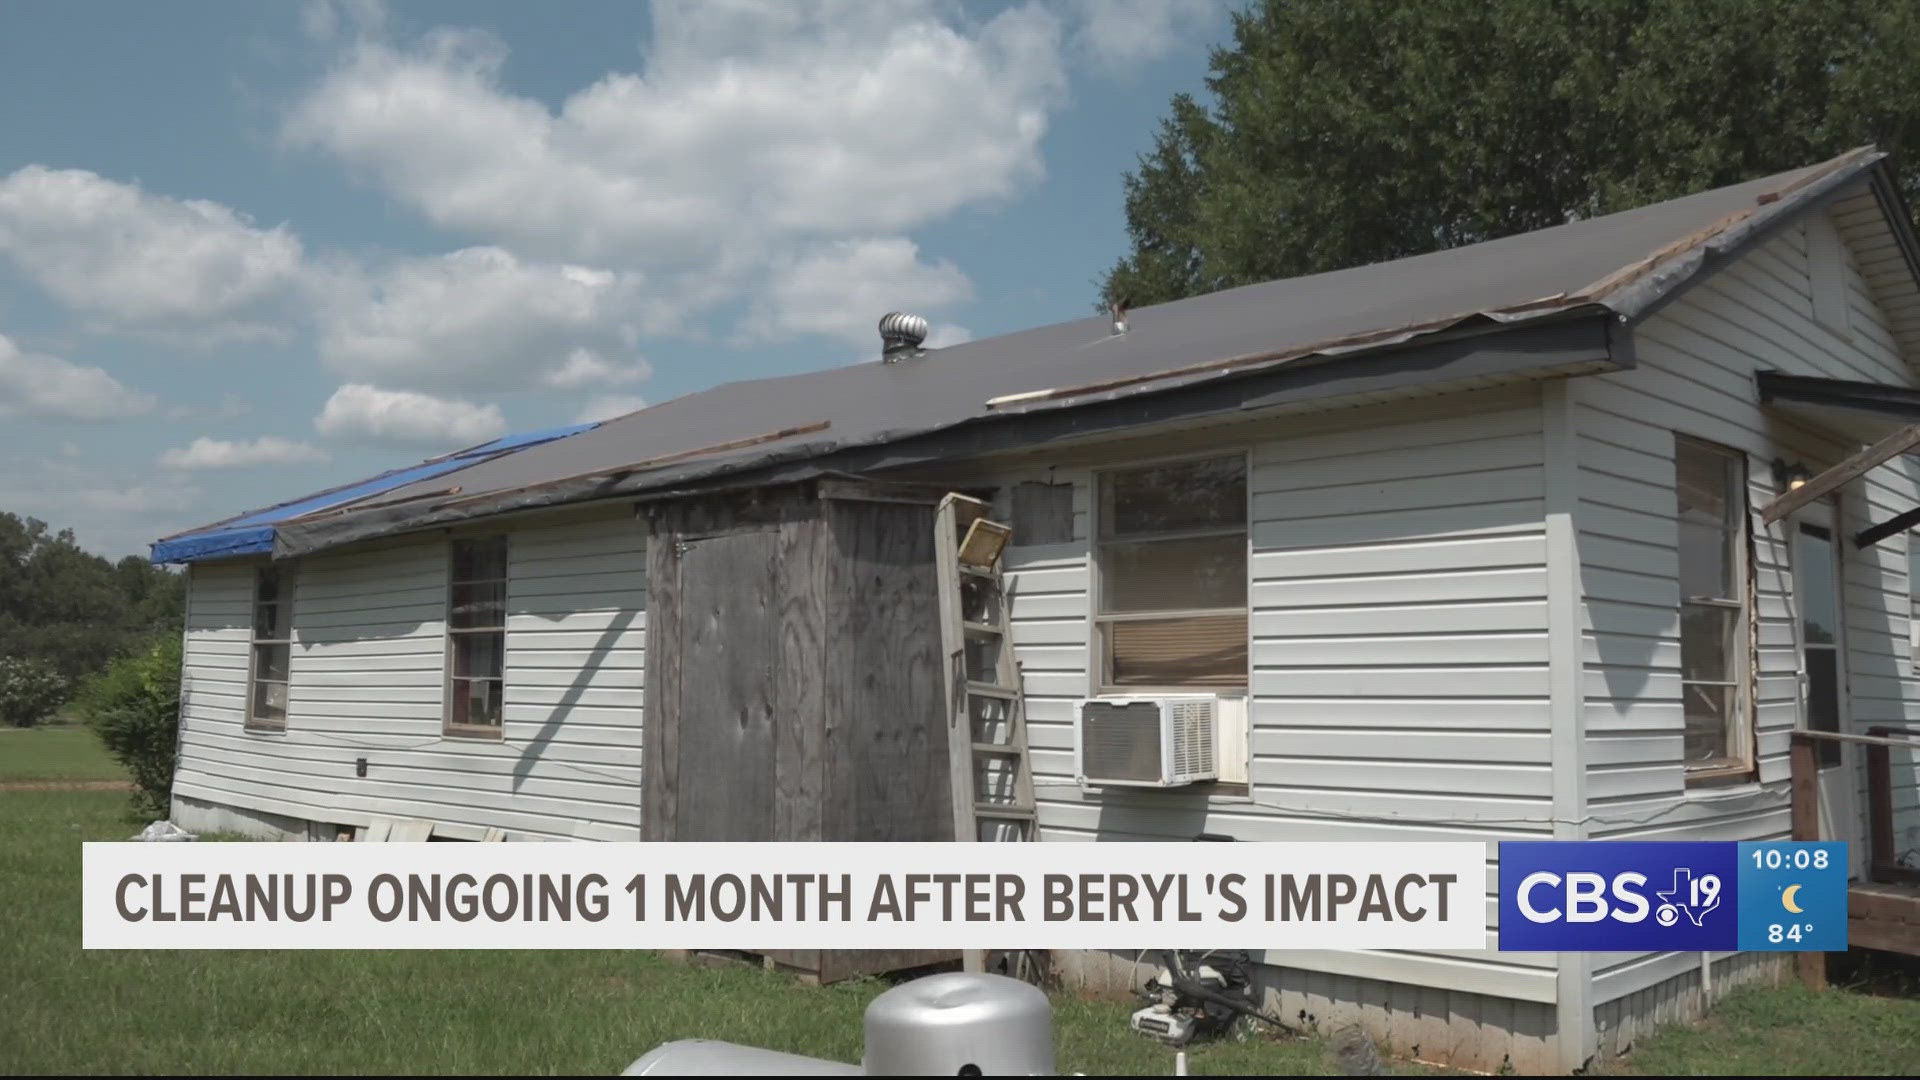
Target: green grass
(55,753)
(1790,1032)
(65,1010)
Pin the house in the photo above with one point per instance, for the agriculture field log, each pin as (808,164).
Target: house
(1479,544)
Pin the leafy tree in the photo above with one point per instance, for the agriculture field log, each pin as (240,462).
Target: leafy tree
(30,690)
(74,611)
(1344,132)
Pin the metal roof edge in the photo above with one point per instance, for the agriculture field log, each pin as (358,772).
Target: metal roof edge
(1639,298)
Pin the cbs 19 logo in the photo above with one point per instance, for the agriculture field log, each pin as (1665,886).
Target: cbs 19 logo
(1582,896)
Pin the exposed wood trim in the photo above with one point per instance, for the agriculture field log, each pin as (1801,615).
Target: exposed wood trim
(1832,479)
(654,462)
(1805,771)
(1862,740)
(355,507)
(855,490)
(946,550)
(1894,525)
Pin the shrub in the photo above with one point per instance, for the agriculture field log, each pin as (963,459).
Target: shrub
(30,690)
(134,706)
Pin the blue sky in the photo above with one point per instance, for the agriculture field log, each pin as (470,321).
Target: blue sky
(251,250)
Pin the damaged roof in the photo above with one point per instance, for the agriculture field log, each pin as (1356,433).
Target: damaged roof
(1619,266)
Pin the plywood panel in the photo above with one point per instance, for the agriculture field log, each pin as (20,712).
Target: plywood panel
(729,634)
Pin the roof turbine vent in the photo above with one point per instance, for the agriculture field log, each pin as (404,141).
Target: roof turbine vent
(901,335)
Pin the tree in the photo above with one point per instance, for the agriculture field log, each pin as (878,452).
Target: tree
(1345,132)
(134,707)
(73,611)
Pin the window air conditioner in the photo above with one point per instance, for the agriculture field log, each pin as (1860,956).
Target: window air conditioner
(1147,741)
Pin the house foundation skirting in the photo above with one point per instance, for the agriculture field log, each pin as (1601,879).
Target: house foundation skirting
(1451,1027)
(1627,1021)
(201,816)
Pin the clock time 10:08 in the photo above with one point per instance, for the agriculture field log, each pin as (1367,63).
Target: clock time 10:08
(1772,858)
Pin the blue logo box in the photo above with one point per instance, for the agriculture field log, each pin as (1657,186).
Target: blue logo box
(1691,896)
(1793,896)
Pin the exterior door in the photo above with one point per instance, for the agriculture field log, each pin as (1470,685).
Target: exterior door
(729,639)
(1820,633)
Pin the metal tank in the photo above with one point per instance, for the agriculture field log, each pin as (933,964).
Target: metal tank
(960,1024)
(955,1024)
(711,1057)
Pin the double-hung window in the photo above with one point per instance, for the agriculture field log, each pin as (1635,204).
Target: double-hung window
(1172,554)
(272,640)
(1710,482)
(476,636)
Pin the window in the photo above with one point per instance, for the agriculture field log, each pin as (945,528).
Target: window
(1710,482)
(272,648)
(476,635)
(1172,556)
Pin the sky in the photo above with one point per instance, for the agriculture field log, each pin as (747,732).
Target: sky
(249,251)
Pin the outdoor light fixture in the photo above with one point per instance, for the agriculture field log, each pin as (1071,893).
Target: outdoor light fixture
(984,542)
(1789,476)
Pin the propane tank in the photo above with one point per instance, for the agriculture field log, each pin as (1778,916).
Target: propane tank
(960,1024)
(956,1024)
(711,1057)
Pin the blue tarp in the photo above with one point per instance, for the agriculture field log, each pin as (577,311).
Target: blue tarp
(253,533)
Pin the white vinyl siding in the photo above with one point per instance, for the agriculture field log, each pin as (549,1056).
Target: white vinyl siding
(367,680)
(1696,360)
(1397,586)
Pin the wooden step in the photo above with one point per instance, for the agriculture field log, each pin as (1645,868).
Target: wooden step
(999,810)
(993,690)
(983,629)
(999,748)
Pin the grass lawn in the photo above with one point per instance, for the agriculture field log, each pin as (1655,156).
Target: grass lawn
(55,753)
(65,1010)
(1791,1032)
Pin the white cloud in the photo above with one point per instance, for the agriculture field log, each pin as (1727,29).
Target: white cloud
(47,386)
(114,251)
(584,368)
(751,125)
(607,406)
(205,453)
(481,319)
(842,287)
(404,418)
(112,511)
(1117,33)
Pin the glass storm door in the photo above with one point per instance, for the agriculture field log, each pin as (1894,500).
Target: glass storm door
(1820,633)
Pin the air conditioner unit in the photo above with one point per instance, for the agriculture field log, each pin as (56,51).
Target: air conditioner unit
(1163,740)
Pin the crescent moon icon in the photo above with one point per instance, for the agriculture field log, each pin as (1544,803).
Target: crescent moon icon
(1786,898)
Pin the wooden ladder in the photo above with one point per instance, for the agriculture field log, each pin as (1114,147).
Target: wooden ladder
(990,773)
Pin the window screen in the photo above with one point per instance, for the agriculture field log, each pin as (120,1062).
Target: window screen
(272,647)
(1709,482)
(1172,558)
(476,635)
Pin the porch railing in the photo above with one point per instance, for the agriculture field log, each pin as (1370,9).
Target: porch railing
(1880,741)
(1883,865)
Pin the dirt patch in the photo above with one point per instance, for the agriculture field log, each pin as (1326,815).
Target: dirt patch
(66,785)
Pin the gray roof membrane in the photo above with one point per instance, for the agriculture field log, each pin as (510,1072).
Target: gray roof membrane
(1621,262)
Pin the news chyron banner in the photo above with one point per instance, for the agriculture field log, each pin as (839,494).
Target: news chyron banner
(1688,896)
(785,896)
